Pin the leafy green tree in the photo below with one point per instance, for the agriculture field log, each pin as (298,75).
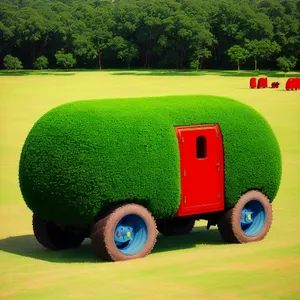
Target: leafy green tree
(31,29)
(102,34)
(41,62)
(153,33)
(234,21)
(238,54)
(126,50)
(8,22)
(5,32)
(94,33)
(261,49)
(286,64)
(201,39)
(65,59)
(285,17)
(198,58)
(158,31)
(12,63)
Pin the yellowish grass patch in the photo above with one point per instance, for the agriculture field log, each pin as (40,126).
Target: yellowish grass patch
(197,266)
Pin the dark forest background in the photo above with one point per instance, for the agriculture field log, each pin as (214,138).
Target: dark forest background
(177,34)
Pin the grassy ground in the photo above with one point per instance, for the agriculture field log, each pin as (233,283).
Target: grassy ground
(196,266)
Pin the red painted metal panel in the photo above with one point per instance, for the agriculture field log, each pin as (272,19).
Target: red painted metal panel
(202,173)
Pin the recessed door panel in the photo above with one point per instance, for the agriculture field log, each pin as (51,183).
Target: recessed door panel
(201,159)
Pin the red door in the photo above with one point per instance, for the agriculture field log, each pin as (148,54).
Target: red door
(201,167)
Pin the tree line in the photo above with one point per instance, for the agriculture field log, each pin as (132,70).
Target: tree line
(150,34)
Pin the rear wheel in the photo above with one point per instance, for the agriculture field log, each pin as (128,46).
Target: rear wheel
(127,232)
(248,221)
(56,237)
(175,226)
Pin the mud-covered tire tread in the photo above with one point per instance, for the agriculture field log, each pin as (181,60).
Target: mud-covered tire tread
(63,240)
(225,227)
(103,228)
(229,225)
(175,226)
(98,245)
(40,232)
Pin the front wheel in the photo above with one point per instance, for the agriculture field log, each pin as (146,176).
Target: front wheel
(56,237)
(127,232)
(248,221)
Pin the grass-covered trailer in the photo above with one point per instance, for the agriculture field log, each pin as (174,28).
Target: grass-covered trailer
(114,170)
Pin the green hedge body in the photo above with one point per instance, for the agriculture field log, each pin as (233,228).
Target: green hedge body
(84,155)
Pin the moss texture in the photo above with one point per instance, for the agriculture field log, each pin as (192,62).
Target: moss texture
(84,155)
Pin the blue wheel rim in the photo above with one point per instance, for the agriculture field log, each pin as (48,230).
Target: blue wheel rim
(131,234)
(253,218)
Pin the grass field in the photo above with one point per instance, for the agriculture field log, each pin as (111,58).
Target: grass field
(196,266)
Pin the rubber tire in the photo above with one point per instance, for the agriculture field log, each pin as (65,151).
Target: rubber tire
(53,237)
(102,234)
(229,225)
(175,226)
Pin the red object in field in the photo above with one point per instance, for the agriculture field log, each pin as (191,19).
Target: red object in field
(289,84)
(201,169)
(252,83)
(292,84)
(275,85)
(297,83)
(262,83)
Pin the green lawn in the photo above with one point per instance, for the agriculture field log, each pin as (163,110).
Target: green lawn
(196,266)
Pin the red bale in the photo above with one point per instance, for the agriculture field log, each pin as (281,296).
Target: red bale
(253,83)
(289,84)
(297,85)
(294,84)
(262,83)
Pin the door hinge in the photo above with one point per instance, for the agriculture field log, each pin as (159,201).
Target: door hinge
(219,196)
(217,135)
(182,139)
(184,173)
(184,199)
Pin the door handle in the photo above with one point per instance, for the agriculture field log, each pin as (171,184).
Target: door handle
(218,166)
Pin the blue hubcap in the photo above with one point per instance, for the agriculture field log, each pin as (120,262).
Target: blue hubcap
(131,234)
(253,218)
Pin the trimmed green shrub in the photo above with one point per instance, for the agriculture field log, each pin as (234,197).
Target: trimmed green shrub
(65,59)
(12,63)
(41,62)
(82,156)
(286,64)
